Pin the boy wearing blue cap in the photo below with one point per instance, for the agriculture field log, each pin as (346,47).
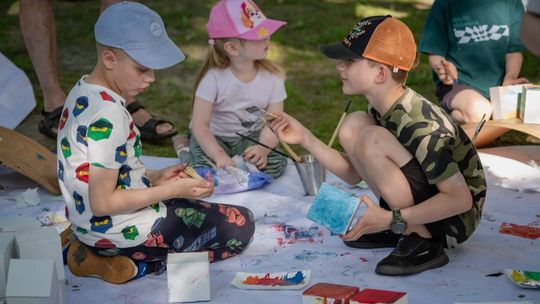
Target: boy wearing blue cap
(128,218)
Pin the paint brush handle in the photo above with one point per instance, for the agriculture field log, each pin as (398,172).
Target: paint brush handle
(294,156)
(333,138)
(331,142)
(478,128)
(259,143)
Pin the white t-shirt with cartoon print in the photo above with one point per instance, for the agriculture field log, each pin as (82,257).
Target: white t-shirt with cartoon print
(95,128)
(232,98)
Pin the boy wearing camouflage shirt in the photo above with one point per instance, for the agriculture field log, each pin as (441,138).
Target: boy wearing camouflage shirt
(423,167)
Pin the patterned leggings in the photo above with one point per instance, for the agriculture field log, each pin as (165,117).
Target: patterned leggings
(191,225)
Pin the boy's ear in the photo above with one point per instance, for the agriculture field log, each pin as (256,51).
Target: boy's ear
(382,73)
(109,58)
(231,48)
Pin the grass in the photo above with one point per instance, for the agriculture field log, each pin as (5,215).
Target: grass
(314,90)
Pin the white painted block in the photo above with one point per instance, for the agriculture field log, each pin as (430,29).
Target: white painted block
(529,105)
(32,281)
(188,277)
(7,252)
(17,223)
(43,243)
(504,100)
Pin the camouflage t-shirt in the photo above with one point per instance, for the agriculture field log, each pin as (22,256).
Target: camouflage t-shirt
(442,149)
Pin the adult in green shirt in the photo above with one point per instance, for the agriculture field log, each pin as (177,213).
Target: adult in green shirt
(473,45)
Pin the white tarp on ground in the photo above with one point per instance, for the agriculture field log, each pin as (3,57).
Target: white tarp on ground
(512,198)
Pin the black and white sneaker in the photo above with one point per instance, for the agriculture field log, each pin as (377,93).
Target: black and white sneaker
(413,254)
(383,239)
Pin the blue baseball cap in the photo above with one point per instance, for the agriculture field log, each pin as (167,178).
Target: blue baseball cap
(140,32)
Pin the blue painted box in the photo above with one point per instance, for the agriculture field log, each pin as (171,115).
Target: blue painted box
(333,208)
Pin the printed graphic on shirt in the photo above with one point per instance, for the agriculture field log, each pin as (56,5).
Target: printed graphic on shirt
(82,172)
(79,202)
(82,230)
(104,244)
(131,130)
(100,129)
(130,232)
(81,135)
(106,97)
(137,146)
(66,148)
(473,34)
(101,223)
(146,181)
(124,177)
(121,154)
(60,171)
(80,105)
(63,119)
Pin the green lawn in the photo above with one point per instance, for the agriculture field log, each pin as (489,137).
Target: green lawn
(314,89)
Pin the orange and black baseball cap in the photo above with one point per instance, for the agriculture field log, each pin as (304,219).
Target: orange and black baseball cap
(384,39)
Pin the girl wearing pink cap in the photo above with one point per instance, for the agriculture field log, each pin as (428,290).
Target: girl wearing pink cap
(236,80)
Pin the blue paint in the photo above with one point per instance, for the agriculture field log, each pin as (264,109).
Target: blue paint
(308,256)
(333,208)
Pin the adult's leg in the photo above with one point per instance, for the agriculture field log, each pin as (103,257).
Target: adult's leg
(469,106)
(39,32)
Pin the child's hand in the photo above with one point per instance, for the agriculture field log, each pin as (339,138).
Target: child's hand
(288,129)
(375,219)
(192,188)
(447,72)
(169,174)
(225,161)
(257,155)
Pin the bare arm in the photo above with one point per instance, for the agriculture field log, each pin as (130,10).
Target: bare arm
(105,199)
(454,198)
(267,136)
(202,114)
(293,132)
(512,69)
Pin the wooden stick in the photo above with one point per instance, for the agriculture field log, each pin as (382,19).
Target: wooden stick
(189,171)
(260,143)
(295,156)
(478,128)
(334,135)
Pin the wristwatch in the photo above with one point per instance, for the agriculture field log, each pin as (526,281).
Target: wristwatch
(398,225)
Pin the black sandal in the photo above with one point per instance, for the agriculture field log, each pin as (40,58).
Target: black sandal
(48,125)
(148,129)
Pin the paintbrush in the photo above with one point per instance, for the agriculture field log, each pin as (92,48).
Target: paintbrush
(333,138)
(294,156)
(478,128)
(260,143)
(189,171)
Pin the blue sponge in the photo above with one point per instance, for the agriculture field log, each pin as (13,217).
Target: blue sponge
(333,208)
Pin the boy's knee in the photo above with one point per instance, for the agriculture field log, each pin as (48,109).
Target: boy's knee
(370,140)
(352,125)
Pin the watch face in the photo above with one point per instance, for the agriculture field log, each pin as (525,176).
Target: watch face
(398,227)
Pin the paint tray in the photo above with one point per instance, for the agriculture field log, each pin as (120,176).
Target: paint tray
(272,280)
(523,278)
(334,209)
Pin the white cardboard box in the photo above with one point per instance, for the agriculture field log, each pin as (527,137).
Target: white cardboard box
(504,100)
(32,281)
(188,277)
(7,252)
(529,105)
(41,243)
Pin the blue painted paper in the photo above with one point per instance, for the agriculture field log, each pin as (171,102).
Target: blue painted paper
(333,208)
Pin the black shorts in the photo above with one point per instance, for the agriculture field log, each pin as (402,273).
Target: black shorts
(421,190)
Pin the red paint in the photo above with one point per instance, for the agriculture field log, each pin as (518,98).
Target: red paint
(528,232)
(332,293)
